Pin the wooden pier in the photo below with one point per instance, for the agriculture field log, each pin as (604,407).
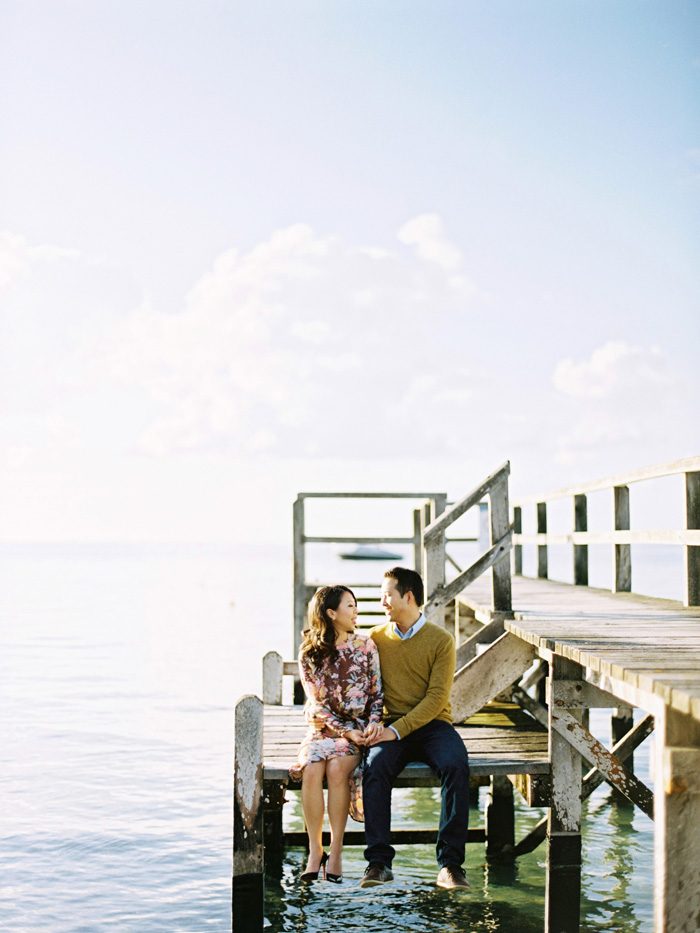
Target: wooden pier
(534,656)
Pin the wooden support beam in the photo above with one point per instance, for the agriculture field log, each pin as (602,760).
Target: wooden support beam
(484,636)
(621,722)
(596,754)
(676,835)
(581,550)
(273,667)
(248,858)
(273,832)
(500,819)
(397,837)
(488,674)
(563,884)
(622,571)
(417,541)
(570,694)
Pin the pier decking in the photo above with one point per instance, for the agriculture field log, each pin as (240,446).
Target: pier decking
(534,656)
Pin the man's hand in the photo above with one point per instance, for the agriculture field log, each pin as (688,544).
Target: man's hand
(386,735)
(372,731)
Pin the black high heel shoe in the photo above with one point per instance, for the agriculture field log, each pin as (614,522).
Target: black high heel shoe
(336,879)
(309,876)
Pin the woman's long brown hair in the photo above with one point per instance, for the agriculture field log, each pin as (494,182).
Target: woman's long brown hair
(319,638)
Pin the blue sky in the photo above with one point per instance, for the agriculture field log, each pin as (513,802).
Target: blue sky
(254,248)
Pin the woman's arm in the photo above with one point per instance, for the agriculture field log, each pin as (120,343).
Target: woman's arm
(374,687)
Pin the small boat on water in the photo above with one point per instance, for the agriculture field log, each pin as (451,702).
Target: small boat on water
(370,552)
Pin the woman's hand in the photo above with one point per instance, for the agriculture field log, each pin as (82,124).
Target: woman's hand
(373,731)
(355,736)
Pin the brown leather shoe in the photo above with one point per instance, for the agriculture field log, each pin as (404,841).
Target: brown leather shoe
(376,873)
(451,877)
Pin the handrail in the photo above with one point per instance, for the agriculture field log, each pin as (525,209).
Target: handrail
(497,555)
(672,468)
(467,502)
(621,537)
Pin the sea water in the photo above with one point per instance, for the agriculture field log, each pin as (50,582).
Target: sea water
(119,670)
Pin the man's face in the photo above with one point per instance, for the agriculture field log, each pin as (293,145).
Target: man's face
(393,603)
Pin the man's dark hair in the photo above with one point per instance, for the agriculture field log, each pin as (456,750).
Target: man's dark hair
(407,580)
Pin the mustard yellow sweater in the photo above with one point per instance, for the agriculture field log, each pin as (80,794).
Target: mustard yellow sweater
(417,675)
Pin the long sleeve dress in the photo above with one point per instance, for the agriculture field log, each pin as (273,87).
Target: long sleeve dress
(340,695)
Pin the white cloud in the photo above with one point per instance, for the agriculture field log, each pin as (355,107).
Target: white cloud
(427,234)
(298,334)
(622,398)
(613,368)
(17,256)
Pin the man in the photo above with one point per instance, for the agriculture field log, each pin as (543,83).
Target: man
(418,663)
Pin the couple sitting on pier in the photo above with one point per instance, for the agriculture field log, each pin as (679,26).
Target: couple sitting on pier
(373,705)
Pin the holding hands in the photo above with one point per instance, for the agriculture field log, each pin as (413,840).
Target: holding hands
(374,733)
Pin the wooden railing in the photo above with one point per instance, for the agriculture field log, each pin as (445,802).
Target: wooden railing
(620,537)
(497,557)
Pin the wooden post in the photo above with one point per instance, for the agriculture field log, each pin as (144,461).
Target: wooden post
(300,603)
(417,541)
(621,722)
(518,548)
(542,571)
(248,859)
(622,576)
(499,520)
(274,798)
(435,560)
(272,678)
(676,819)
(483,526)
(425,521)
(300,589)
(500,818)
(581,550)
(692,552)
(563,886)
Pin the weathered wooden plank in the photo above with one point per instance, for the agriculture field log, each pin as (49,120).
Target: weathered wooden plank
(692,550)
(580,550)
(595,753)
(563,881)
(489,674)
(499,529)
(441,523)
(439,597)
(435,568)
(248,859)
(676,836)
(622,570)
(485,635)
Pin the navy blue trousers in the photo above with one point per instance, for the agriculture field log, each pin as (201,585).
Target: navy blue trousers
(438,745)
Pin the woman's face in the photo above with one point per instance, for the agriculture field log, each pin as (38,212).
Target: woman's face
(344,618)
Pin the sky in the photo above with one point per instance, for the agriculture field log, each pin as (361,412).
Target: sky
(248,249)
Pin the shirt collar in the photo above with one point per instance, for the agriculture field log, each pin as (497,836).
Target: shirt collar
(414,629)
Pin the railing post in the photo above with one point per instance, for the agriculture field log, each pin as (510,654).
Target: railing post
(499,520)
(300,588)
(517,548)
(272,678)
(692,552)
(417,540)
(622,581)
(581,550)
(435,560)
(542,570)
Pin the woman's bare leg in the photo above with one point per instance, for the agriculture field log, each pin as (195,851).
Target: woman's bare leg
(312,806)
(338,771)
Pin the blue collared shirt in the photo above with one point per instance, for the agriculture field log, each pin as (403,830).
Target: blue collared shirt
(414,629)
(404,636)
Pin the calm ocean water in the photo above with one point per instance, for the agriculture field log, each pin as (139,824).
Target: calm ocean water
(119,670)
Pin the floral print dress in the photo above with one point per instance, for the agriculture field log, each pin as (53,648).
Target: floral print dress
(340,695)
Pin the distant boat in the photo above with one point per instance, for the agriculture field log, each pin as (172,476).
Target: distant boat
(369,552)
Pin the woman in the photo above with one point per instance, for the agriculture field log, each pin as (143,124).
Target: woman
(341,679)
